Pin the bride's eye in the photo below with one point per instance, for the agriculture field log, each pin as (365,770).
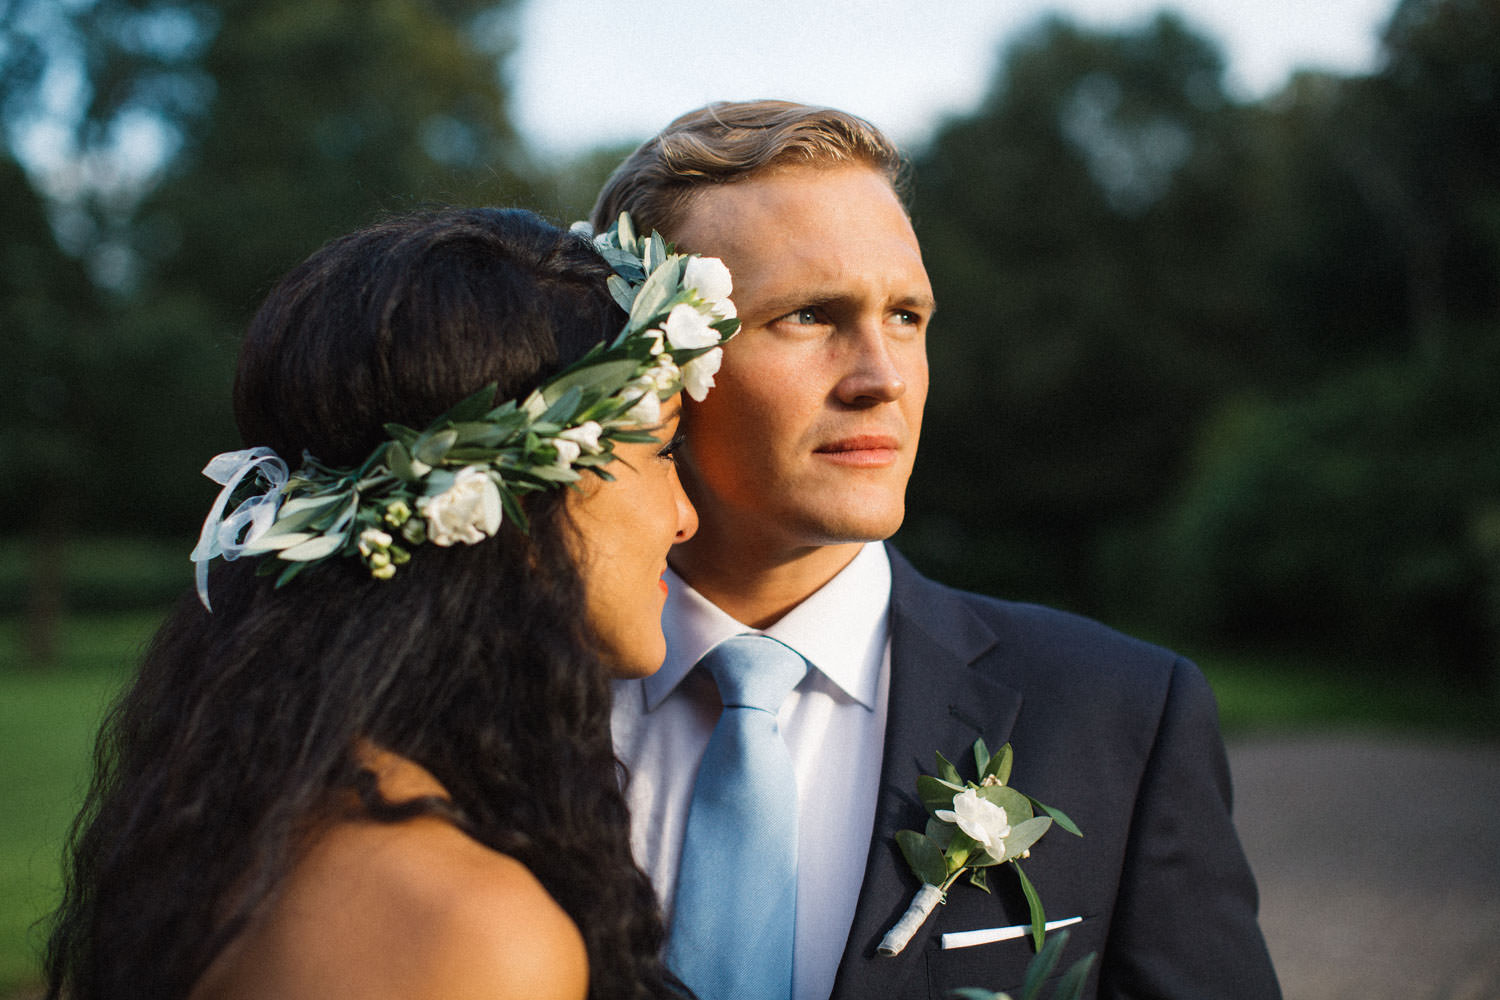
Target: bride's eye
(669,450)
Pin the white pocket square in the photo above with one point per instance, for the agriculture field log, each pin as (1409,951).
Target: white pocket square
(987,935)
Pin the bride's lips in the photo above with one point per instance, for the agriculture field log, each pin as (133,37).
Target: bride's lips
(862,450)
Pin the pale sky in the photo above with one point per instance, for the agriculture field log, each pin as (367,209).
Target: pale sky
(589,72)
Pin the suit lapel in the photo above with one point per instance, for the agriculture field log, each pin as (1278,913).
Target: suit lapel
(938,702)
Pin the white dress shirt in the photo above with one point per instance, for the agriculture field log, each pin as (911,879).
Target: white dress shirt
(833,724)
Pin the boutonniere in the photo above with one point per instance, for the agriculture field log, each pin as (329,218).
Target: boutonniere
(972,826)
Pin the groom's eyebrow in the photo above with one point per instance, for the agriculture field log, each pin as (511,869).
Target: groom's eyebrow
(815,298)
(917,303)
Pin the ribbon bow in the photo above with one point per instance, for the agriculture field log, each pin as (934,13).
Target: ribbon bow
(221,536)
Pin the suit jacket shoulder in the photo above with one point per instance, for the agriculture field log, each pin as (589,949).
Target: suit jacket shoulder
(1120,734)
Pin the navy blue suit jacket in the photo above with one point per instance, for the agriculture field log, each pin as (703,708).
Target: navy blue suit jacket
(1119,734)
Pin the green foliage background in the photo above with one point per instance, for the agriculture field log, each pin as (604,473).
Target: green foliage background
(1210,368)
(1224,371)
(1216,371)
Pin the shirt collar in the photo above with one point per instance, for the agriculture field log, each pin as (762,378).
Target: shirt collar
(840,629)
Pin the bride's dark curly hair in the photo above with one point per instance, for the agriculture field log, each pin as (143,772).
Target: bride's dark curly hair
(474,661)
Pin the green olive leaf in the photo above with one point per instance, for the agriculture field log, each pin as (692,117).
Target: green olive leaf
(940,833)
(1057,814)
(1025,834)
(319,547)
(924,857)
(998,766)
(432,448)
(1017,806)
(1034,902)
(936,793)
(981,757)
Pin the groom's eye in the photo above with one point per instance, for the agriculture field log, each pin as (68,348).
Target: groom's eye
(806,316)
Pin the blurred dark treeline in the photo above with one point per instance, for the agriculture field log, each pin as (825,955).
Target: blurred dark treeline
(1215,369)
(1225,371)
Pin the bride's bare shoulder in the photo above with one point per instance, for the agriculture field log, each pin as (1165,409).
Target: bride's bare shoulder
(413,909)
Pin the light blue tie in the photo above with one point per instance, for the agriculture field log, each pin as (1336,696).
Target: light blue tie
(735,908)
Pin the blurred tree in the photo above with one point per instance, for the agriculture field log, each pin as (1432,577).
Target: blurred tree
(202,147)
(1387,232)
(1431,172)
(1264,331)
(1357,519)
(49,326)
(95,95)
(319,117)
(1084,232)
(1361,511)
(568,189)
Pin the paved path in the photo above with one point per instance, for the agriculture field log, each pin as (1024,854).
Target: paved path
(1378,862)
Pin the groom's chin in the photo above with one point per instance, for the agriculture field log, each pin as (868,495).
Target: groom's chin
(860,518)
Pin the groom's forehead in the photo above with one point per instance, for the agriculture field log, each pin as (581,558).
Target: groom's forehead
(708,215)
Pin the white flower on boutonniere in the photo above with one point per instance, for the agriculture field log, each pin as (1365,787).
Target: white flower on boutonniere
(979,818)
(971,828)
(466,512)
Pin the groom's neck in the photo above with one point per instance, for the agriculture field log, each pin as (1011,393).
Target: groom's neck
(753,583)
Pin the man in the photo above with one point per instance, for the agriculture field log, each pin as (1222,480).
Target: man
(797,463)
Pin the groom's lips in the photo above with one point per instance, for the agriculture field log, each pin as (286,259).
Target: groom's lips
(865,451)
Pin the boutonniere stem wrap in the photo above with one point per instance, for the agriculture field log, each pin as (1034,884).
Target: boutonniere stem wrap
(972,827)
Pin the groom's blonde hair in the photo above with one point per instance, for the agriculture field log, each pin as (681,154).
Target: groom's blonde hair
(732,141)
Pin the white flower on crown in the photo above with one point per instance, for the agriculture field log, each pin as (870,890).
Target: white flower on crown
(656,355)
(711,280)
(466,512)
(567,452)
(687,327)
(646,410)
(698,374)
(664,376)
(373,540)
(979,818)
(585,435)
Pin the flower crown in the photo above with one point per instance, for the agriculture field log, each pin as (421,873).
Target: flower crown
(454,481)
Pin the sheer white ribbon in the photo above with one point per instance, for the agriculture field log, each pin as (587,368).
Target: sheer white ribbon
(221,536)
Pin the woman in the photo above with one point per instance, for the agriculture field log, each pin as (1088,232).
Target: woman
(388,773)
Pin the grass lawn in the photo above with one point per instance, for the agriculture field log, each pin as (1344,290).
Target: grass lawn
(1262,693)
(47,721)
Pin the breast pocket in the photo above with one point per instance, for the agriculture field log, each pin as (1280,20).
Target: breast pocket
(972,961)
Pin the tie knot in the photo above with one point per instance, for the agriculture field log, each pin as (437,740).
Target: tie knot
(755,671)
